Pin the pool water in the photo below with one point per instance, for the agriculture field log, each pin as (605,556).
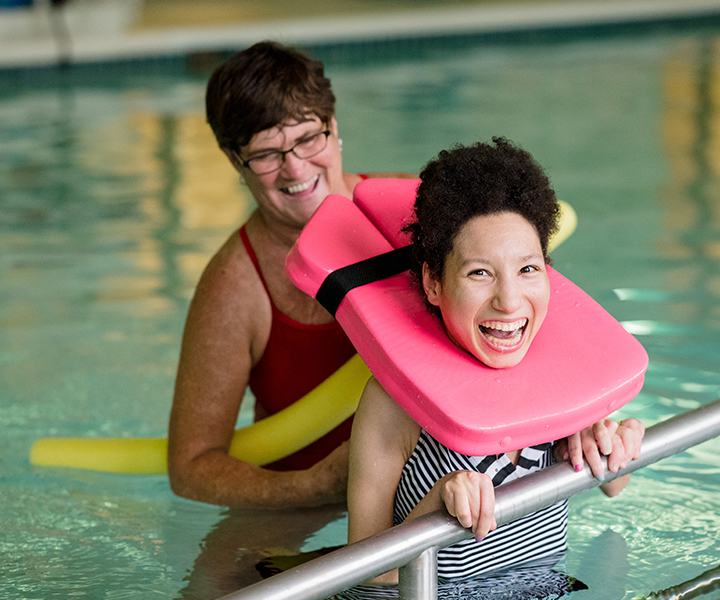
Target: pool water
(113,197)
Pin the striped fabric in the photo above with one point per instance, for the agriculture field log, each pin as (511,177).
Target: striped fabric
(544,578)
(533,537)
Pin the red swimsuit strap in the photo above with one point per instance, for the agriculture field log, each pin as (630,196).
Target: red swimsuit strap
(278,315)
(253,257)
(296,359)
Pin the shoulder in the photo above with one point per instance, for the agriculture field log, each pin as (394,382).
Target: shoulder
(230,273)
(376,404)
(230,302)
(383,423)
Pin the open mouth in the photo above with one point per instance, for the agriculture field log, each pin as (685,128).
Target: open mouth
(301,187)
(503,336)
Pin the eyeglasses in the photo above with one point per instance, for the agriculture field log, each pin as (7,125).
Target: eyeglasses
(273,160)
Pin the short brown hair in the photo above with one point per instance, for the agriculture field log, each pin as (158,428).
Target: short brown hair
(262,87)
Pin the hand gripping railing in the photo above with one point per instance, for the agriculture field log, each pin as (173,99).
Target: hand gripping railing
(413,546)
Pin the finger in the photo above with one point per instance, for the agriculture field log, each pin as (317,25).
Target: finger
(457,504)
(640,434)
(460,497)
(592,456)
(631,444)
(638,430)
(610,425)
(618,458)
(603,438)
(463,511)
(472,494)
(574,451)
(486,508)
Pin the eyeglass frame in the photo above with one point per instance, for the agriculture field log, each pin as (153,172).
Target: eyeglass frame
(284,153)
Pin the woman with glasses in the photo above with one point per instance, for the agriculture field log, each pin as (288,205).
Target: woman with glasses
(272,112)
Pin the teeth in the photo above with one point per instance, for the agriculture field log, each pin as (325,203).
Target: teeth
(501,334)
(501,326)
(301,187)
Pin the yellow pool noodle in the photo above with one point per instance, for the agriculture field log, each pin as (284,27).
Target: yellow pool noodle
(568,223)
(266,441)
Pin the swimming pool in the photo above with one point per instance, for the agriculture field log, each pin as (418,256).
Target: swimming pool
(113,196)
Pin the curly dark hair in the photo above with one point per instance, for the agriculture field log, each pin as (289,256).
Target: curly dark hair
(264,86)
(472,181)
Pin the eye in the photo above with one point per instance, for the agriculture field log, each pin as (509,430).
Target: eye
(479,272)
(308,141)
(529,269)
(265,157)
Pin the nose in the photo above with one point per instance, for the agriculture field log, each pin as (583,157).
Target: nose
(508,296)
(292,165)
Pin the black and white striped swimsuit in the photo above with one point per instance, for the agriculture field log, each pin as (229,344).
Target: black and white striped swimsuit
(541,534)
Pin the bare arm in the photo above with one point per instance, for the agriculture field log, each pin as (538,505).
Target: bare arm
(226,330)
(384,436)
(381,442)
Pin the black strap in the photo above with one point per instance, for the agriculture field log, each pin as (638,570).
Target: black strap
(340,282)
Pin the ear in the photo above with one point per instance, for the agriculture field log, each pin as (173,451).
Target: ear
(334,126)
(432,287)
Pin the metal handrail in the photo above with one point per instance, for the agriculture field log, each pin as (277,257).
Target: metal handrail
(406,544)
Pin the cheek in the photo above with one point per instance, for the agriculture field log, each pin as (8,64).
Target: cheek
(261,184)
(458,315)
(540,305)
(332,162)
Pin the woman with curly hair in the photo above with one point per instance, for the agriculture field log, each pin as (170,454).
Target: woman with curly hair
(483,218)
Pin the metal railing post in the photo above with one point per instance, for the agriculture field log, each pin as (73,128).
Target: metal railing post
(417,580)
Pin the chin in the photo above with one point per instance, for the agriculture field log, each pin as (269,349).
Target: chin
(504,363)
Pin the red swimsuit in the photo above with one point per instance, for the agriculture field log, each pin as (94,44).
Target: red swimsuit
(297,358)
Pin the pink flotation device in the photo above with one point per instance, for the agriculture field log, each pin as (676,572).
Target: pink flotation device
(581,366)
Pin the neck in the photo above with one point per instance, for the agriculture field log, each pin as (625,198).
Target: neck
(278,233)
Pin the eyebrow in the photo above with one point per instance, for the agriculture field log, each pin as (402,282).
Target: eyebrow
(306,133)
(533,256)
(484,261)
(279,148)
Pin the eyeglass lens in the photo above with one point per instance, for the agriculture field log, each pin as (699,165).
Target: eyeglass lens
(273,161)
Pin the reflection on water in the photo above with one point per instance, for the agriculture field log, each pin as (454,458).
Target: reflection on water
(691,195)
(113,196)
(705,583)
(233,551)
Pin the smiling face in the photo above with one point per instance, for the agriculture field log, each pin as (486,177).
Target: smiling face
(494,292)
(290,195)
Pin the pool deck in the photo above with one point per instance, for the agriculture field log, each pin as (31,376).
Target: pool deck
(106,30)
